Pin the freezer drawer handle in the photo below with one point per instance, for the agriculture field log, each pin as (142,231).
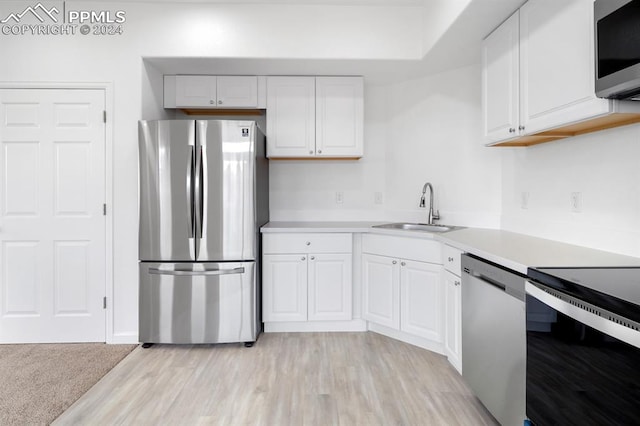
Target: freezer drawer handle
(156,271)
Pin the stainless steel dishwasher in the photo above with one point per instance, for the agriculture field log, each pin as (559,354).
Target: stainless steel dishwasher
(494,337)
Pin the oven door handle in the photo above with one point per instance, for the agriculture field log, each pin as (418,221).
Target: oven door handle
(600,323)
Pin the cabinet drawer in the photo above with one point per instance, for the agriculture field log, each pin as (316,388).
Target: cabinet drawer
(451,259)
(406,248)
(306,243)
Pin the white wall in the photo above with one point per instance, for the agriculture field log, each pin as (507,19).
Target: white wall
(433,129)
(415,131)
(438,17)
(604,167)
(189,29)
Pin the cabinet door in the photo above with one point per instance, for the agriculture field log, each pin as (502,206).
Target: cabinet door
(237,91)
(291,117)
(500,82)
(421,299)
(557,64)
(381,284)
(339,116)
(330,290)
(284,287)
(453,319)
(194,91)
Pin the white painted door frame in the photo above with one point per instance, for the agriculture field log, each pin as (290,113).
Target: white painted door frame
(108,90)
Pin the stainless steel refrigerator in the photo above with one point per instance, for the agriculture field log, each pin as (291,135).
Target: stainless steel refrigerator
(204,193)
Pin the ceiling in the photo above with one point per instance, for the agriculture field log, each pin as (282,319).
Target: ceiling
(458,46)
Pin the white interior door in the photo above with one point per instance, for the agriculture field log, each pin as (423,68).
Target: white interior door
(52,225)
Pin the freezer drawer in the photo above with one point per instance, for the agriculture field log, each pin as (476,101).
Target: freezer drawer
(198,302)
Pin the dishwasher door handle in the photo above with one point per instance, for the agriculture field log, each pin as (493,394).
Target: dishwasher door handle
(489,281)
(514,292)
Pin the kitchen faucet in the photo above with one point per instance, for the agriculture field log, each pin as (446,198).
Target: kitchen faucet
(431,216)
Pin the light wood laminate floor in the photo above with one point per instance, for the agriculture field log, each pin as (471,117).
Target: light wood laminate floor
(285,379)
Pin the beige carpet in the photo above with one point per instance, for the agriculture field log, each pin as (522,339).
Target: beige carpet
(38,382)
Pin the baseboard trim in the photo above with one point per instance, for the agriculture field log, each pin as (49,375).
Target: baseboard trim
(124,339)
(432,346)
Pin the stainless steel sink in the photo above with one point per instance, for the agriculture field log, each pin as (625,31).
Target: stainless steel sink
(423,227)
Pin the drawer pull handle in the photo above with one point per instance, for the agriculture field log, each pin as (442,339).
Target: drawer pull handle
(456,282)
(403,264)
(450,259)
(313,258)
(394,262)
(303,258)
(308,243)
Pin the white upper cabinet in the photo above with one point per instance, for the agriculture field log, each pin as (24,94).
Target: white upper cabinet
(210,91)
(500,63)
(291,116)
(339,116)
(538,77)
(312,117)
(195,91)
(237,91)
(557,64)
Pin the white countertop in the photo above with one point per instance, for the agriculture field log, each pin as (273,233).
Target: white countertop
(318,227)
(352,227)
(511,250)
(518,251)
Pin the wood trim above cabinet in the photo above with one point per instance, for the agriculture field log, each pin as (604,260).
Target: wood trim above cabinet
(575,129)
(313,158)
(224,112)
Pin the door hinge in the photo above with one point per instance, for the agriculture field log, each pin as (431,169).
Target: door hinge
(104,116)
(104,209)
(104,302)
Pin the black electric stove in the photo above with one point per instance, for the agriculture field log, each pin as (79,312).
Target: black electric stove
(615,289)
(583,346)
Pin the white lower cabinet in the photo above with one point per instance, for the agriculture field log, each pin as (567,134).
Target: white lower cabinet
(421,299)
(404,295)
(453,305)
(306,285)
(381,279)
(284,287)
(453,318)
(329,287)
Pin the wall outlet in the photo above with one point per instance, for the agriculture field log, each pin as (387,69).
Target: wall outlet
(524,200)
(339,197)
(377,198)
(576,202)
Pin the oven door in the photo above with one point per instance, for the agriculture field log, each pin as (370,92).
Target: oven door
(583,364)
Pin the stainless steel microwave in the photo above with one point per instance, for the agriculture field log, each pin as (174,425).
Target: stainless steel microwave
(617,45)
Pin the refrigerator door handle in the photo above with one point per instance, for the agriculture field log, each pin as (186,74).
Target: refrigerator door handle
(191,215)
(202,176)
(156,271)
(199,204)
